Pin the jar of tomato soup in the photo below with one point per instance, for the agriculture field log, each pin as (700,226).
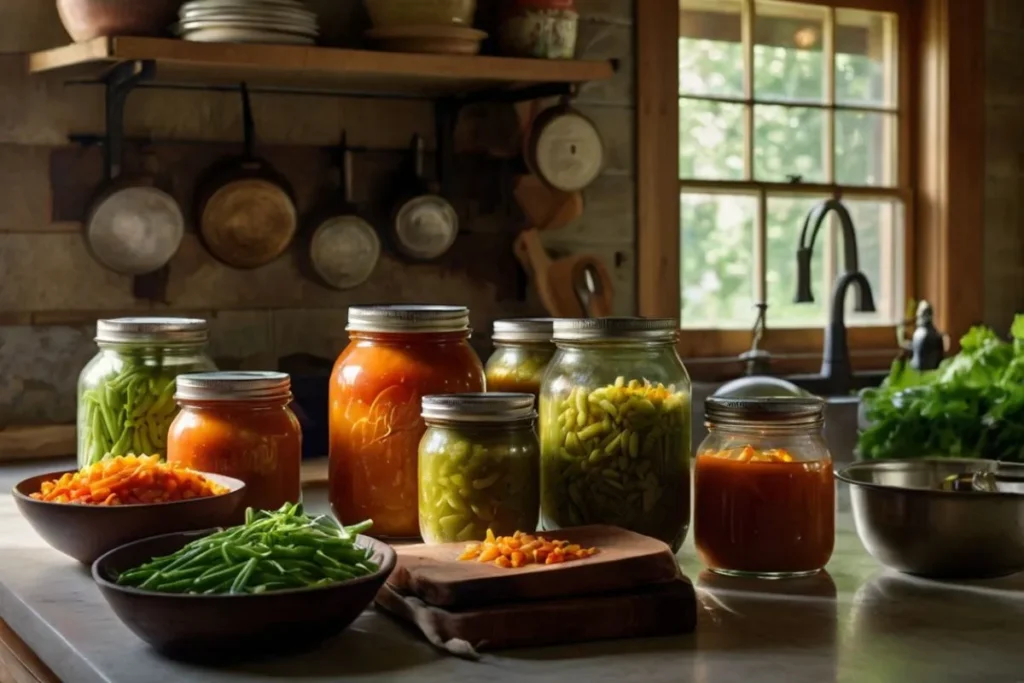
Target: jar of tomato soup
(396,355)
(239,424)
(764,494)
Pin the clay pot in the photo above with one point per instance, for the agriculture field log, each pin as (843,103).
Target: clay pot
(88,19)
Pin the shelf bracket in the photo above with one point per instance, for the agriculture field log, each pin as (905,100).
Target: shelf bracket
(446,118)
(120,82)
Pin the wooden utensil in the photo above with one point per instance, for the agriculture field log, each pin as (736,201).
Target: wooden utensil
(564,148)
(425,224)
(657,610)
(556,280)
(545,207)
(246,213)
(626,561)
(344,249)
(133,227)
(593,286)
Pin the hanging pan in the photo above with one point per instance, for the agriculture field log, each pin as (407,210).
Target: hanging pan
(246,213)
(425,224)
(344,248)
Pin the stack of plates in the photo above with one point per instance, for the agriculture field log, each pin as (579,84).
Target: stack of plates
(247,21)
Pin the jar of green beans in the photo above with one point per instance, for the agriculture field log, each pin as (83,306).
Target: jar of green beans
(126,392)
(522,351)
(478,466)
(615,428)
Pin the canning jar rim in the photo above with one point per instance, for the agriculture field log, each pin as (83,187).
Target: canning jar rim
(151,330)
(408,318)
(624,329)
(774,412)
(526,330)
(479,408)
(237,386)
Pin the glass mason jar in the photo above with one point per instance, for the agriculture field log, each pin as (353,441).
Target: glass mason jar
(479,467)
(764,495)
(396,355)
(239,424)
(126,392)
(615,428)
(522,351)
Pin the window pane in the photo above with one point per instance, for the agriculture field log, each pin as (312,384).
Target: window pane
(717,260)
(865,148)
(866,58)
(784,222)
(879,226)
(789,62)
(710,140)
(710,51)
(789,141)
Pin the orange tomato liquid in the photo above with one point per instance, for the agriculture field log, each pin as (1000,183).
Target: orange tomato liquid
(375,423)
(259,443)
(763,516)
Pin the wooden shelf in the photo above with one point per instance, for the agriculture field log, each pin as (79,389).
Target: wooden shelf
(288,67)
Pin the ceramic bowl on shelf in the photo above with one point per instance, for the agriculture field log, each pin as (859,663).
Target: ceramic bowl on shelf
(85,532)
(393,13)
(88,19)
(226,627)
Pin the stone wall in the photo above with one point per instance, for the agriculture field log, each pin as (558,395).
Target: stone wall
(51,289)
(1004,163)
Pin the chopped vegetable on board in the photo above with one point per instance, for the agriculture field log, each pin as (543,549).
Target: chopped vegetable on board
(272,551)
(128,480)
(519,550)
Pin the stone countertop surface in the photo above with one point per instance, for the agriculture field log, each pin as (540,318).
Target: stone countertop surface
(859,623)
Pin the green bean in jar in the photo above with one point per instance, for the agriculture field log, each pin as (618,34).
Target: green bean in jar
(478,466)
(126,392)
(615,449)
(522,351)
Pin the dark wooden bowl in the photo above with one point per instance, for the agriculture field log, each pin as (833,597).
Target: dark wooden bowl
(87,531)
(226,627)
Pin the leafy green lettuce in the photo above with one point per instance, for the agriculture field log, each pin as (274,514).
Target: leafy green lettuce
(971,406)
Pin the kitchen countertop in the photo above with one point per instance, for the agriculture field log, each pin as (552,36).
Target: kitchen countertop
(859,623)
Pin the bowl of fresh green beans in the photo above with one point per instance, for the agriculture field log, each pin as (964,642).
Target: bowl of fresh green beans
(283,580)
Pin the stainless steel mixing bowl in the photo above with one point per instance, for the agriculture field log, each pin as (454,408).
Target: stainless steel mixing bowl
(906,522)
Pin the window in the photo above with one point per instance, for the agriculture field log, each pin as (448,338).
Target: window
(781,106)
(894,93)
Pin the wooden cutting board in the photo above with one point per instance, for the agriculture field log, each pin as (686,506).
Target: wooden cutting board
(656,610)
(626,561)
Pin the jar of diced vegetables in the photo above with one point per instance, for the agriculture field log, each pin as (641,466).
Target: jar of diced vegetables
(615,428)
(479,466)
(522,351)
(126,392)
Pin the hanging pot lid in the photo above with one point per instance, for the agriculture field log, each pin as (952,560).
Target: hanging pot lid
(565,149)
(135,230)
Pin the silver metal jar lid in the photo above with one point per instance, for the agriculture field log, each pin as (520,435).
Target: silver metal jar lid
(233,386)
(776,410)
(408,318)
(488,407)
(157,330)
(524,330)
(595,329)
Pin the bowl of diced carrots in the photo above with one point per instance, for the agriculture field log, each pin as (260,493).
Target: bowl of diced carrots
(84,513)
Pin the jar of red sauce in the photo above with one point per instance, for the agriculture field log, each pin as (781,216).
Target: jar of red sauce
(764,493)
(239,424)
(396,355)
